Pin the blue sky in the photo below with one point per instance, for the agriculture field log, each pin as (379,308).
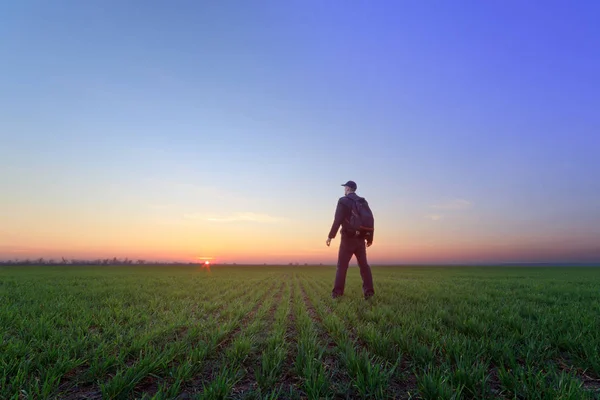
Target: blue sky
(223,129)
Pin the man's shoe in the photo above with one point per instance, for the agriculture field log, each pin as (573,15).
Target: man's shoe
(335,296)
(368,296)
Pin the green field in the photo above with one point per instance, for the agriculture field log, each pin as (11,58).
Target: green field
(275,332)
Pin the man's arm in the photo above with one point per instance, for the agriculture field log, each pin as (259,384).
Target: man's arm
(370,238)
(340,213)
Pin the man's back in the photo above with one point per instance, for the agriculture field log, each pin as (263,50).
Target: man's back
(342,217)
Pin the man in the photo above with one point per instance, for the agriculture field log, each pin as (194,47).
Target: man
(351,244)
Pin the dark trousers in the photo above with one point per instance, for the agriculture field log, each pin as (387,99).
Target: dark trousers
(349,247)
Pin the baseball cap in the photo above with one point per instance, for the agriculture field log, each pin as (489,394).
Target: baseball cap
(350,184)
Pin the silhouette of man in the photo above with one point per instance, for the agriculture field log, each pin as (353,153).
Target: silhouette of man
(350,245)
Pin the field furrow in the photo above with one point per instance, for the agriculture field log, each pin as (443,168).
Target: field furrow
(233,342)
(139,366)
(250,362)
(370,377)
(286,381)
(312,365)
(334,356)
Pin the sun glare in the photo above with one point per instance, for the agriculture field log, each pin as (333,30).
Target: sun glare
(205,265)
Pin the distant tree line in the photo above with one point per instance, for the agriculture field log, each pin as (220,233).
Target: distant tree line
(99,261)
(112,261)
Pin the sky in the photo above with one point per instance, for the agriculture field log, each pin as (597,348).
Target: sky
(224,130)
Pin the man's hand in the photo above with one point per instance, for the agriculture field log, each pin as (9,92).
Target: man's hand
(328,242)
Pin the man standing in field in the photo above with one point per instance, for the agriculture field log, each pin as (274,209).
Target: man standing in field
(356,231)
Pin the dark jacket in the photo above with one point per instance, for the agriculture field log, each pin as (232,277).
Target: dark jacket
(342,217)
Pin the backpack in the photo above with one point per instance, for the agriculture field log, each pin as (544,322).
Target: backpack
(361,219)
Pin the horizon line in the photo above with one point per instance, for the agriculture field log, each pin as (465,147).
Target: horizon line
(123,263)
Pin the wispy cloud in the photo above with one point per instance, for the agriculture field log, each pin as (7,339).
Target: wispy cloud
(434,217)
(179,189)
(237,217)
(160,207)
(10,249)
(454,204)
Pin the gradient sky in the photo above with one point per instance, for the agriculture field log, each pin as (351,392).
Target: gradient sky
(186,129)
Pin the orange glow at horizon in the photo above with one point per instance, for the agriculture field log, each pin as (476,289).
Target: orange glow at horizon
(238,244)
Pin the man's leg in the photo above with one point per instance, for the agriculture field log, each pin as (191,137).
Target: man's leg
(344,256)
(365,269)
